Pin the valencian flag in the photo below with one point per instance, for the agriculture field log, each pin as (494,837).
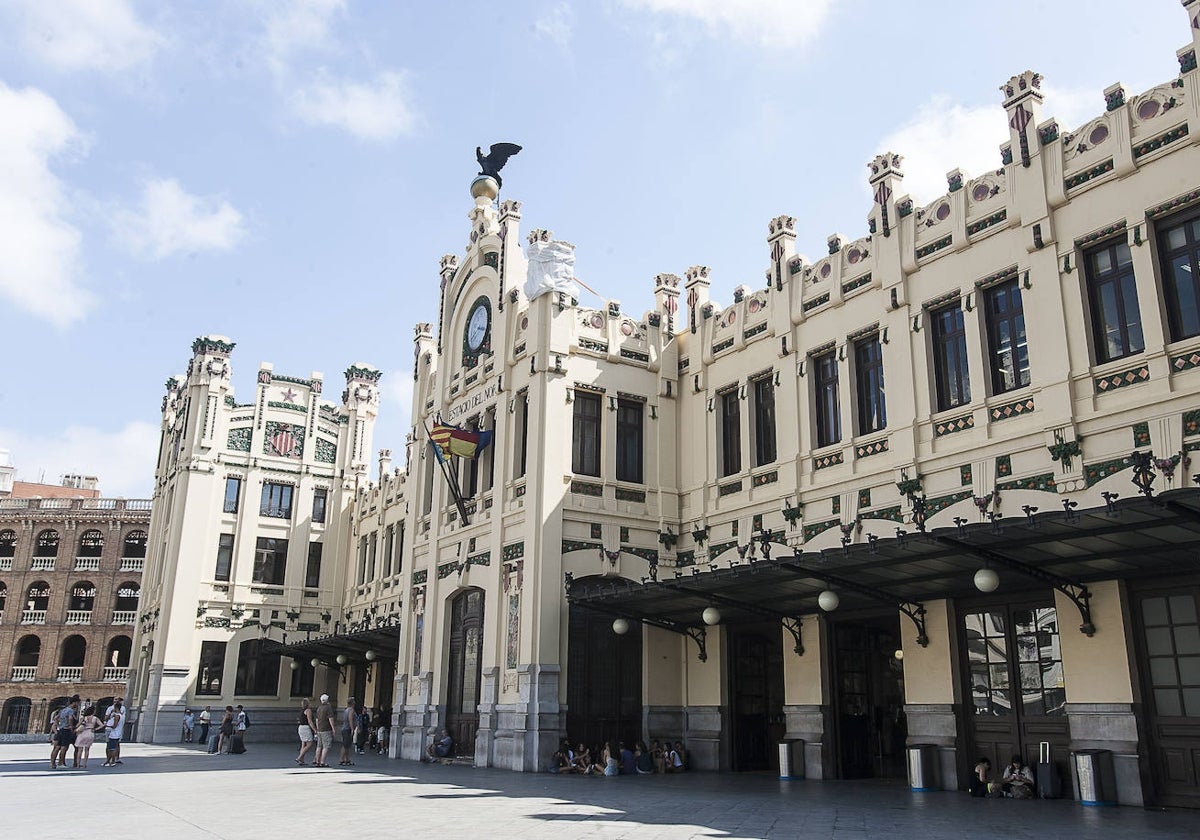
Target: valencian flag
(451,440)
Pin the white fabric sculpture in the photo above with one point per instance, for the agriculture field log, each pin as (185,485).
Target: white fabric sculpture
(551,269)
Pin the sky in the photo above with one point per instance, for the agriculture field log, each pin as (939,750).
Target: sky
(289,174)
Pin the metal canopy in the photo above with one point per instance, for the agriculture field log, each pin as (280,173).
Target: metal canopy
(1127,538)
(385,641)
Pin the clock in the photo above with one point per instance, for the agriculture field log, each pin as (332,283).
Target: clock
(478,323)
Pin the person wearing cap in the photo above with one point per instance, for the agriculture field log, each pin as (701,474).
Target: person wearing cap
(324,727)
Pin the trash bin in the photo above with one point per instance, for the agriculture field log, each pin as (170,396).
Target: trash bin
(791,760)
(923,767)
(1095,781)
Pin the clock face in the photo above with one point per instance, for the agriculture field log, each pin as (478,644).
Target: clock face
(477,326)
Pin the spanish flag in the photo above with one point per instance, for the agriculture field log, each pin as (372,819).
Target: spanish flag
(451,440)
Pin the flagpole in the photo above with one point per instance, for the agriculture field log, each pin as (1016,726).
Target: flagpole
(451,479)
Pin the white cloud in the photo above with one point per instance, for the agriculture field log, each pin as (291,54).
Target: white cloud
(942,136)
(1072,107)
(86,34)
(377,110)
(169,221)
(39,247)
(123,459)
(555,25)
(768,23)
(299,25)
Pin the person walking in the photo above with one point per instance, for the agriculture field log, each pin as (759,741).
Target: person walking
(305,726)
(324,727)
(363,720)
(205,723)
(189,725)
(85,735)
(349,724)
(238,745)
(65,720)
(116,731)
(226,730)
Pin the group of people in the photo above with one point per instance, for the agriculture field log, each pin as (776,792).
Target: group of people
(641,761)
(1016,782)
(76,725)
(359,729)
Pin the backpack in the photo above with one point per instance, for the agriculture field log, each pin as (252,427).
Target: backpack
(245,718)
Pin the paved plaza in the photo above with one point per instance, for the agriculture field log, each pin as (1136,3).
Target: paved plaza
(181,793)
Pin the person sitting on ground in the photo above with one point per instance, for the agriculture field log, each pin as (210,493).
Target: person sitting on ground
(564,759)
(980,784)
(643,761)
(628,765)
(659,756)
(1017,781)
(611,766)
(675,758)
(441,747)
(582,759)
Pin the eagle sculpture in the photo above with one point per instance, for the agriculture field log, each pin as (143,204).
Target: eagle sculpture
(498,155)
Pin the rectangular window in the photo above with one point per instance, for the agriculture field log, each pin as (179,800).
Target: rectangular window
(1006,337)
(868,373)
(629,440)
(829,412)
(585,450)
(276,500)
(389,539)
(489,454)
(312,571)
(399,548)
(302,679)
(523,434)
(270,561)
(371,544)
(257,668)
(1112,294)
(731,432)
(212,667)
(233,492)
(764,421)
(224,557)
(320,499)
(951,374)
(1179,256)
(362,561)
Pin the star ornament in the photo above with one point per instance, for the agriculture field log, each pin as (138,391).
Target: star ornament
(290,395)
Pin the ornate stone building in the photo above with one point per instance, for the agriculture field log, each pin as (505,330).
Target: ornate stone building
(929,489)
(70,578)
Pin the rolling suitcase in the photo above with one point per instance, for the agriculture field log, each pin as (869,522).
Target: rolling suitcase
(239,744)
(213,740)
(1049,783)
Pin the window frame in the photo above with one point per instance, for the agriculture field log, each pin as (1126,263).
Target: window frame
(231,505)
(1008,291)
(586,435)
(944,341)
(827,405)
(1124,281)
(870,384)
(320,505)
(254,675)
(270,558)
(766,450)
(280,508)
(312,565)
(224,552)
(1191,248)
(730,418)
(631,445)
(210,662)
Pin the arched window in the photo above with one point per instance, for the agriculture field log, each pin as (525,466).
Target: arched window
(91,544)
(38,596)
(47,544)
(14,720)
(127,597)
(74,651)
(135,544)
(29,651)
(8,543)
(83,596)
(118,652)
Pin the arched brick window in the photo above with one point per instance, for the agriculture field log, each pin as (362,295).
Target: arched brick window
(47,544)
(83,596)
(128,594)
(8,543)
(38,596)
(135,544)
(91,544)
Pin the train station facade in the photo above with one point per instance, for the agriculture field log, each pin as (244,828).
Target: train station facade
(935,487)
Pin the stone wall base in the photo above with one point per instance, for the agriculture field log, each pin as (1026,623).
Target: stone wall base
(1114,727)
(807,723)
(937,723)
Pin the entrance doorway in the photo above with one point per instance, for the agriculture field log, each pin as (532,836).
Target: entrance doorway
(869,703)
(756,689)
(465,669)
(1168,631)
(604,680)
(1015,681)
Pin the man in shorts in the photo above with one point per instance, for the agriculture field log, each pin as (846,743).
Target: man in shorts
(324,719)
(116,730)
(64,732)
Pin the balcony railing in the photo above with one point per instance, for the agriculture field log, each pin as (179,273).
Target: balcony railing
(115,674)
(33,617)
(24,673)
(5,564)
(79,616)
(133,564)
(69,674)
(42,564)
(87,564)
(124,616)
